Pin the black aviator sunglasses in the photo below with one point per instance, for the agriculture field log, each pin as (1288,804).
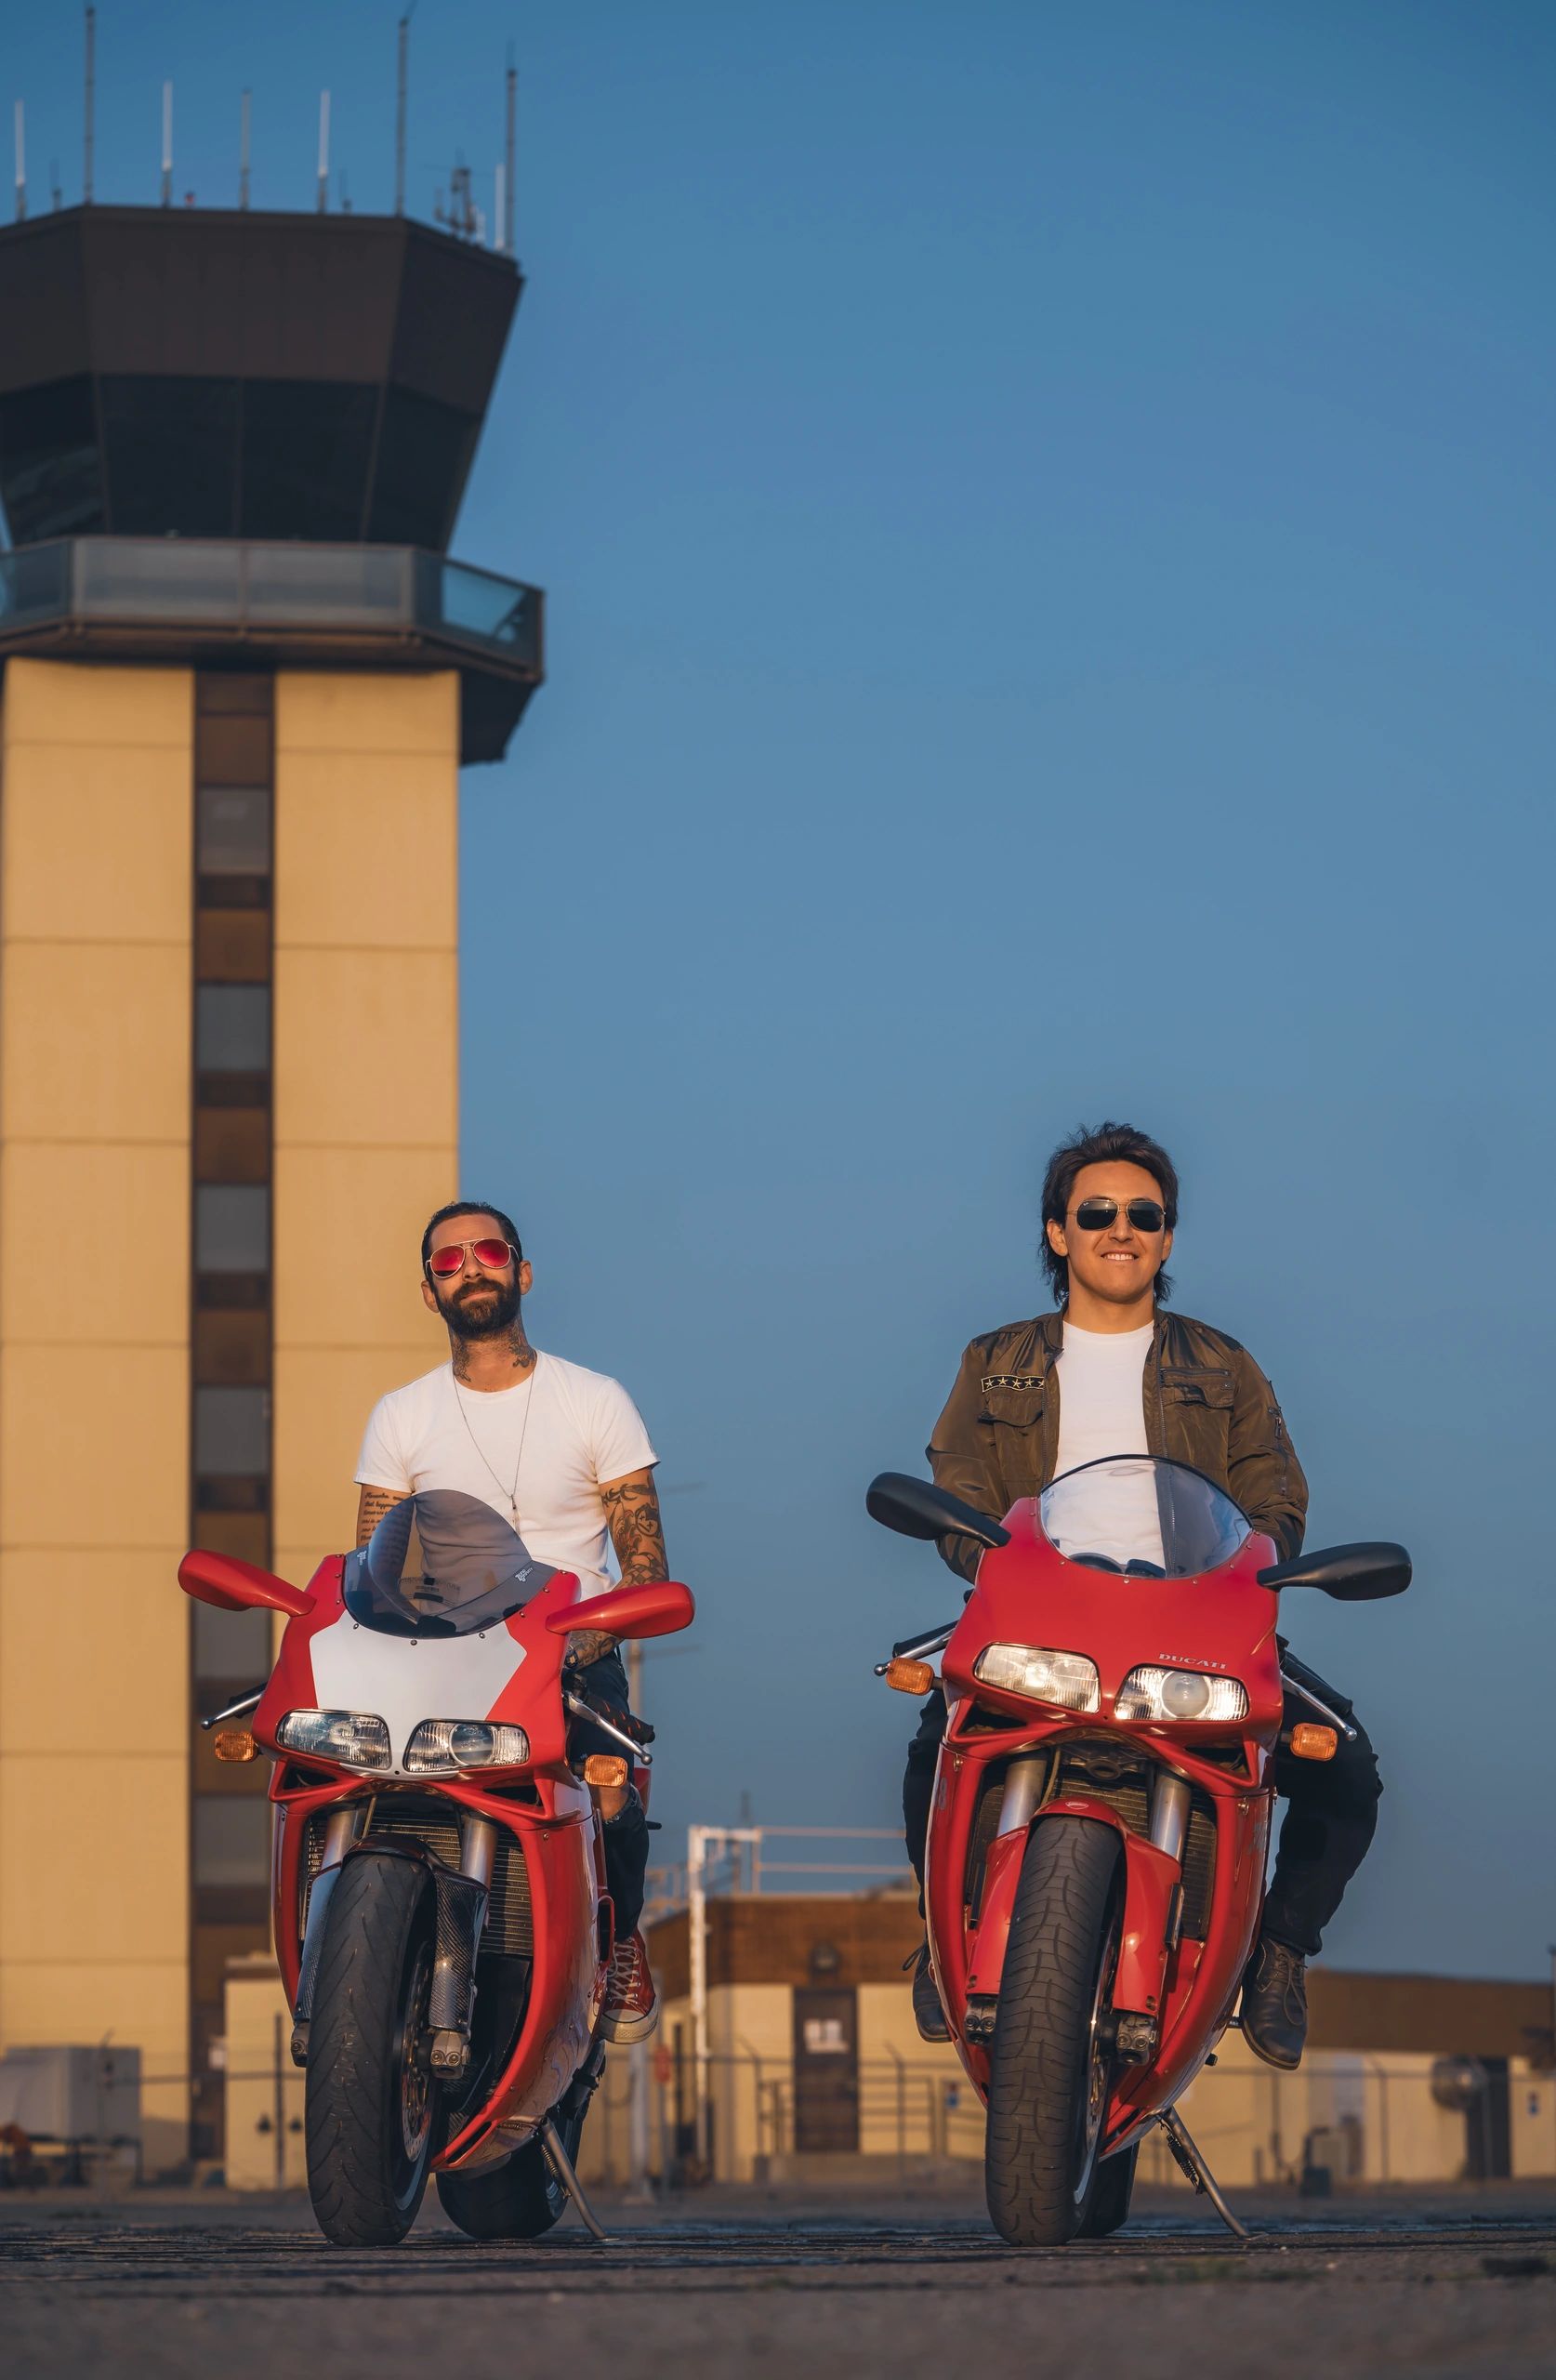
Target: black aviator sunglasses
(1100,1214)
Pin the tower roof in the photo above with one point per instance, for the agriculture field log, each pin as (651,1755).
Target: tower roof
(206,374)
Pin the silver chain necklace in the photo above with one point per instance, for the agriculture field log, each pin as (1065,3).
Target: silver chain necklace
(511,1493)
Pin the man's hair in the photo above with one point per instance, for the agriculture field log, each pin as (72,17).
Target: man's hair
(1102,1144)
(468,1206)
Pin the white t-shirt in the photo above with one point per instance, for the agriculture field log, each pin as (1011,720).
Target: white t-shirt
(563,1430)
(1101,1411)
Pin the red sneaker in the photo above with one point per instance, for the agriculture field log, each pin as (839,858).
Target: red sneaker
(631,2003)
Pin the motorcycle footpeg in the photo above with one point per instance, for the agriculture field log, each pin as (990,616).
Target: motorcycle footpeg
(1135,2039)
(978,2025)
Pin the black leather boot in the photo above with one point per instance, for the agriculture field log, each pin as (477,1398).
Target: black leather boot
(927,2013)
(1275,2003)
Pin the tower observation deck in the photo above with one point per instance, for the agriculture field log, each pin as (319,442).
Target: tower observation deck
(248,434)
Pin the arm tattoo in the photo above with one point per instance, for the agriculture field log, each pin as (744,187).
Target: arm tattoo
(636,1532)
(372,1504)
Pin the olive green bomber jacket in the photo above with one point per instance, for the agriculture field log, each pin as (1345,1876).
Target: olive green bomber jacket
(1207,1402)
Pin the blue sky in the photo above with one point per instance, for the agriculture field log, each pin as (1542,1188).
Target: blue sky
(1047,515)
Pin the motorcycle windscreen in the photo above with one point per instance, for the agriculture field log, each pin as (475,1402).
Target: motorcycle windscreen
(440,1563)
(1146,1517)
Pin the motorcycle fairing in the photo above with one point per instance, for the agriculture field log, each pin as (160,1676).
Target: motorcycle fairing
(1028,1593)
(511,1672)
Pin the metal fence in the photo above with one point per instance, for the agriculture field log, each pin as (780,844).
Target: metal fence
(1340,2118)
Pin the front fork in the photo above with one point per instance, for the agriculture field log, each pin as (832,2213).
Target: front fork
(461,1913)
(1169,1803)
(1153,1905)
(462,1900)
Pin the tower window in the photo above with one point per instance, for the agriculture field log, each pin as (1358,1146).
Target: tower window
(231,1228)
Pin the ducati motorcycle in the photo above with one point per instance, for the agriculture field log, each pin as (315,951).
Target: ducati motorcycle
(440,1907)
(1102,1809)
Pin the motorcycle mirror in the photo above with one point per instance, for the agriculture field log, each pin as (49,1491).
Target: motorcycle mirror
(656,1610)
(227,1584)
(915,1508)
(1350,1573)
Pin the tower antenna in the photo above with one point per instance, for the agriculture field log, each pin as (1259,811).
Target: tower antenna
(402,80)
(21,164)
(91,101)
(243,128)
(509,154)
(167,144)
(323,151)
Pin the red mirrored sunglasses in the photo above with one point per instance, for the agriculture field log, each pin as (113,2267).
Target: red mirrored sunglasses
(491,1255)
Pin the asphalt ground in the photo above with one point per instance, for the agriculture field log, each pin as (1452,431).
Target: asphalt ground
(1438,2283)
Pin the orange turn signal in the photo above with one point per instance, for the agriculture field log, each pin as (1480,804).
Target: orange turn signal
(910,1677)
(1309,1742)
(604,1768)
(236,1743)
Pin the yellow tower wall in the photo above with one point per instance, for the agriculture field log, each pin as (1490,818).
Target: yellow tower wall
(95,1092)
(366,1067)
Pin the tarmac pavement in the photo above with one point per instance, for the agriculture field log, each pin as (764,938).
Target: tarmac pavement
(1440,2283)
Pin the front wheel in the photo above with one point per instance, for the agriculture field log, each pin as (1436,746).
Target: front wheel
(1050,2066)
(519,2200)
(370,2097)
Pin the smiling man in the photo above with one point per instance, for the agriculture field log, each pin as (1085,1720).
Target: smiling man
(562,1454)
(1111,1372)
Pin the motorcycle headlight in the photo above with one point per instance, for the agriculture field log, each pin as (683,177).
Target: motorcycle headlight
(1068,1679)
(1149,1693)
(355,1738)
(448,1744)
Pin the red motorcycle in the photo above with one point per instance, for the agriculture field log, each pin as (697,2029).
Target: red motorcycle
(1101,1810)
(439,1892)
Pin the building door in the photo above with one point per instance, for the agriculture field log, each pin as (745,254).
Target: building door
(1486,2126)
(826,2070)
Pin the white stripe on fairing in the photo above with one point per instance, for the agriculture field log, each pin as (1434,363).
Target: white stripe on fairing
(406,1679)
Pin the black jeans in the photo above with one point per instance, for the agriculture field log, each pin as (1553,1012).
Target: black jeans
(626,1839)
(1331,1812)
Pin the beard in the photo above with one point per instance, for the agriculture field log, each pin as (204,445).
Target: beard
(497,1302)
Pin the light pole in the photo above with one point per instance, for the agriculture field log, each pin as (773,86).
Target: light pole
(700,1839)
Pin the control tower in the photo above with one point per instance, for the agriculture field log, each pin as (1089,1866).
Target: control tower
(238,676)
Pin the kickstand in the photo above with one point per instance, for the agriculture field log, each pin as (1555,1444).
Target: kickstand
(561,2167)
(1198,2172)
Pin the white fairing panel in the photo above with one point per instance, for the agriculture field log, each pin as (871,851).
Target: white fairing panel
(406,1679)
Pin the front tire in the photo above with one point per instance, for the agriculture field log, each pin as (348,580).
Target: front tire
(519,2200)
(1050,2067)
(370,2099)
